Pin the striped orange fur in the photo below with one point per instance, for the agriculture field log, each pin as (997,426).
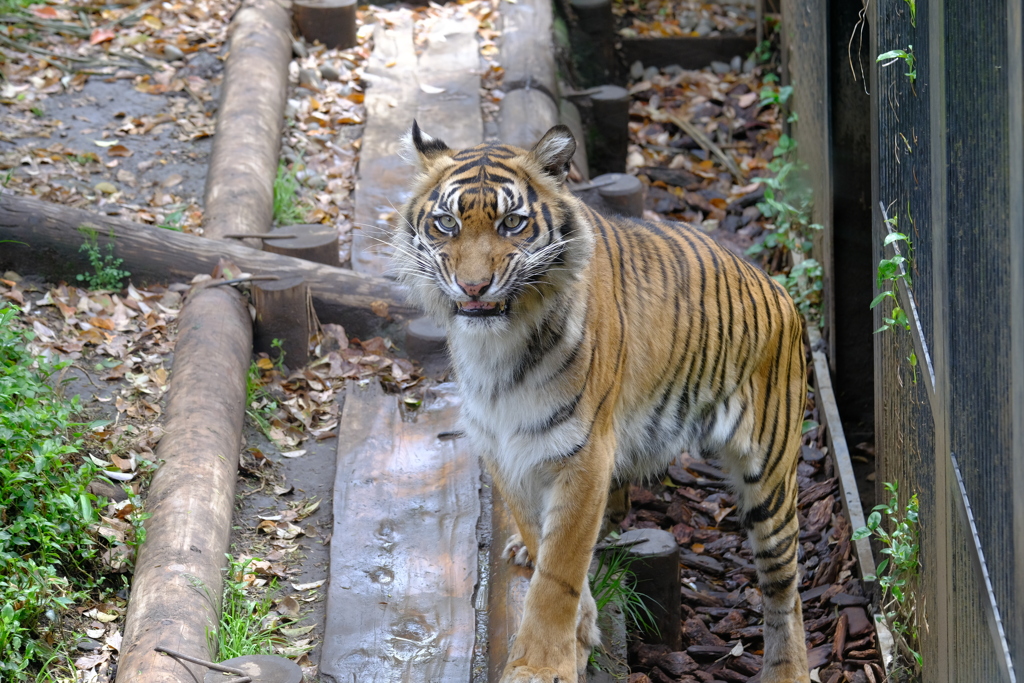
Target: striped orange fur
(590,350)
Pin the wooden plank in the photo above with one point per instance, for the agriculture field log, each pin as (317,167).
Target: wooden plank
(689,53)
(506,597)
(451,63)
(826,401)
(440,90)
(384,176)
(45,238)
(404,547)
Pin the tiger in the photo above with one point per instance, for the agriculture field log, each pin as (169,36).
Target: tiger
(590,350)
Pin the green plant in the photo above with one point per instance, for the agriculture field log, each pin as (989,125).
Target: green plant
(906,55)
(777,96)
(172,221)
(763,52)
(804,284)
(613,583)
(106,269)
(287,208)
(47,551)
(912,4)
(261,405)
(898,574)
(245,624)
(787,202)
(890,272)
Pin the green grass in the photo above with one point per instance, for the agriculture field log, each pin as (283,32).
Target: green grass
(14,5)
(613,583)
(244,625)
(47,555)
(288,210)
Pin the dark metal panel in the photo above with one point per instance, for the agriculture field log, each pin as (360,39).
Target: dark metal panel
(1015,80)
(903,147)
(980,382)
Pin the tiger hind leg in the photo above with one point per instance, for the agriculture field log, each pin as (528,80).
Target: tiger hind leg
(768,513)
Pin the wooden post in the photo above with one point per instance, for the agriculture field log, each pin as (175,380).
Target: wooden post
(427,343)
(332,22)
(569,115)
(239,193)
(657,578)
(595,46)
(610,108)
(177,585)
(46,238)
(316,242)
(615,193)
(284,312)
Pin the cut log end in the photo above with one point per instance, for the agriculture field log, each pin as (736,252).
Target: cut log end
(316,242)
(332,22)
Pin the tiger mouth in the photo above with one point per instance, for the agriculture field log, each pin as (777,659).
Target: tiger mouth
(481,309)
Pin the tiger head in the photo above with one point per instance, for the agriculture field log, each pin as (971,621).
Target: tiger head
(490,232)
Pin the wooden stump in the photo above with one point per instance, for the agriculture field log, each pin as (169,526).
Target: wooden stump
(316,242)
(427,343)
(614,193)
(656,569)
(284,312)
(569,115)
(332,22)
(192,495)
(610,108)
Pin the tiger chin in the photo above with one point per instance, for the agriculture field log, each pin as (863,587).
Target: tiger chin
(590,350)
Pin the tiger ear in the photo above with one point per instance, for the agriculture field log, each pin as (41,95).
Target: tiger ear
(554,152)
(424,149)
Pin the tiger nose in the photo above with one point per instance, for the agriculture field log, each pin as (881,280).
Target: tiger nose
(474,288)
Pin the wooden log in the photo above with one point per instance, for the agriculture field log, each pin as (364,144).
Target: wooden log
(332,22)
(689,53)
(610,108)
(45,238)
(239,194)
(526,115)
(284,314)
(316,242)
(177,584)
(657,578)
(400,599)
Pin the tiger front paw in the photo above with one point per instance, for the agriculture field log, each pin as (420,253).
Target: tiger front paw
(517,553)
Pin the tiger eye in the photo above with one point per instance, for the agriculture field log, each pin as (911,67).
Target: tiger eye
(447,222)
(512,221)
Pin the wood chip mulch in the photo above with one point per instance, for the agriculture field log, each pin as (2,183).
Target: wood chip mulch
(721,605)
